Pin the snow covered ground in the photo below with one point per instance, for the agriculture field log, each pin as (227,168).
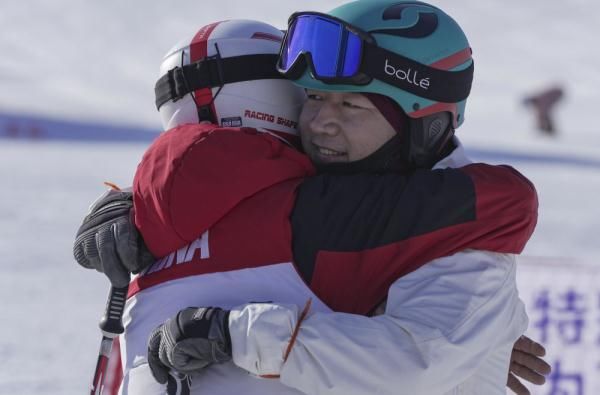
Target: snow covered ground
(96,62)
(50,308)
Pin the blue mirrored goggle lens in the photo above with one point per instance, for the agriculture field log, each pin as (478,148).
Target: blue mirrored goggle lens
(294,43)
(353,55)
(325,47)
(335,51)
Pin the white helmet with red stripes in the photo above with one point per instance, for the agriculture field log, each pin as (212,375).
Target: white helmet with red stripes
(226,74)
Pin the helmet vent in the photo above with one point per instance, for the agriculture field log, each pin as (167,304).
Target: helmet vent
(426,24)
(435,128)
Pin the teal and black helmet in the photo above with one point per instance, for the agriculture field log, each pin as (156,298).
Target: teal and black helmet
(409,51)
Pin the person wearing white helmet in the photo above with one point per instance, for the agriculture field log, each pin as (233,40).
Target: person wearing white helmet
(189,165)
(235,85)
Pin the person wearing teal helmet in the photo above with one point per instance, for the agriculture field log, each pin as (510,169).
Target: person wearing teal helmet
(410,52)
(387,84)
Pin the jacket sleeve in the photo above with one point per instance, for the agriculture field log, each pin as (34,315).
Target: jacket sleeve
(441,322)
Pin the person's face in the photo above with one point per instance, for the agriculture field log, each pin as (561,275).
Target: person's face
(341,127)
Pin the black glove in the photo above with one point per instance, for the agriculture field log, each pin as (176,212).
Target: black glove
(189,342)
(108,240)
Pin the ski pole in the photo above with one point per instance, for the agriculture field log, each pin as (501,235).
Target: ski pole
(111,326)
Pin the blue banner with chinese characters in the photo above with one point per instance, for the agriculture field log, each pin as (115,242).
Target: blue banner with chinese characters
(563,302)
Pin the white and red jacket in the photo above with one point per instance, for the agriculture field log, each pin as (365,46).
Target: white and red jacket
(224,200)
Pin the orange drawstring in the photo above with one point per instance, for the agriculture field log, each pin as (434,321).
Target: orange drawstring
(112,186)
(293,338)
(297,329)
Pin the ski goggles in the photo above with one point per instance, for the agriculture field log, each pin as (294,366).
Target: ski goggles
(332,49)
(339,53)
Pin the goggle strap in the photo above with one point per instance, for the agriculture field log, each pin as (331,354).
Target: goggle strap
(214,72)
(416,78)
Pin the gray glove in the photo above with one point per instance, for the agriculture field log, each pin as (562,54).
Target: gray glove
(108,240)
(187,343)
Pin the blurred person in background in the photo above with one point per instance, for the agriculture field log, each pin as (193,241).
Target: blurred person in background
(369,156)
(543,104)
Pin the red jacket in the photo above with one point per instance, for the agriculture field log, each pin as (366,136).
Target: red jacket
(351,237)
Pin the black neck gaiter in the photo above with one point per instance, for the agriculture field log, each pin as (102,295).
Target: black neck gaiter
(388,158)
